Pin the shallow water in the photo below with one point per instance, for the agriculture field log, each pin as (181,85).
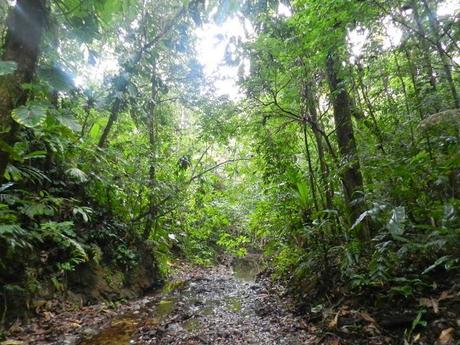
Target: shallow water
(246,268)
(222,307)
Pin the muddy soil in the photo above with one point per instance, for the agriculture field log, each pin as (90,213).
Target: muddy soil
(220,308)
(220,305)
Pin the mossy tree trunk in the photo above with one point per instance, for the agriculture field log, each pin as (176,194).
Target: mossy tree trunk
(352,179)
(25,25)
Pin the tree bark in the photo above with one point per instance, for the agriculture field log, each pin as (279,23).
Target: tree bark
(307,98)
(434,25)
(352,179)
(117,107)
(118,104)
(311,173)
(405,94)
(25,25)
(425,47)
(412,71)
(153,144)
(373,126)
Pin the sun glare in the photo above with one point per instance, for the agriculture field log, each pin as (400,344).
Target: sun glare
(448,8)
(103,65)
(284,11)
(213,41)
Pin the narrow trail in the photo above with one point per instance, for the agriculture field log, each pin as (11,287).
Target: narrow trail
(219,305)
(214,306)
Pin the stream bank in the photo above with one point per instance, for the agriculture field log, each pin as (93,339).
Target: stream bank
(218,305)
(221,305)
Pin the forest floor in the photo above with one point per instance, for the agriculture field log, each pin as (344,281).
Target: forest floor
(219,305)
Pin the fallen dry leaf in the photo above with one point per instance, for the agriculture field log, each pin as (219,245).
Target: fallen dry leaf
(12,342)
(334,321)
(447,336)
(435,306)
(16,327)
(367,317)
(430,303)
(371,329)
(73,325)
(445,295)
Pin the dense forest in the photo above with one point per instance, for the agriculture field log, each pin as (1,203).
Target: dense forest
(334,159)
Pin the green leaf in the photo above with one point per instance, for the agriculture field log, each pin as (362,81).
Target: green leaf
(7,67)
(107,9)
(31,115)
(437,263)
(77,175)
(369,213)
(37,209)
(35,154)
(396,223)
(66,119)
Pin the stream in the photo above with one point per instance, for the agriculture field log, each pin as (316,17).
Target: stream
(220,306)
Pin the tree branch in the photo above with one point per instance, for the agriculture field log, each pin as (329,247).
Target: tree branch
(217,166)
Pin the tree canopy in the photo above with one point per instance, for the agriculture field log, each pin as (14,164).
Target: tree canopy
(339,158)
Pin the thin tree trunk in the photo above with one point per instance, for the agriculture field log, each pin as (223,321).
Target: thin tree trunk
(310,167)
(117,107)
(418,100)
(424,46)
(406,97)
(26,23)
(88,106)
(151,218)
(351,177)
(153,144)
(434,25)
(307,97)
(373,127)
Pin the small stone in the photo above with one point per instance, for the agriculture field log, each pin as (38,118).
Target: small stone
(174,327)
(89,333)
(12,342)
(70,340)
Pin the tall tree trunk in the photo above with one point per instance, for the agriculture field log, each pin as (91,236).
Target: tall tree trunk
(373,126)
(434,25)
(151,217)
(424,46)
(352,179)
(311,173)
(418,100)
(153,144)
(307,98)
(406,96)
(117,107)
(26,23)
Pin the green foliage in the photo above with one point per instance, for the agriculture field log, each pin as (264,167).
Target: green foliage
(233,245)
(62,233)
(31,115)
(7,67)
(77,175)
(125,257)
(15,237)
(194,175)
(407,158)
